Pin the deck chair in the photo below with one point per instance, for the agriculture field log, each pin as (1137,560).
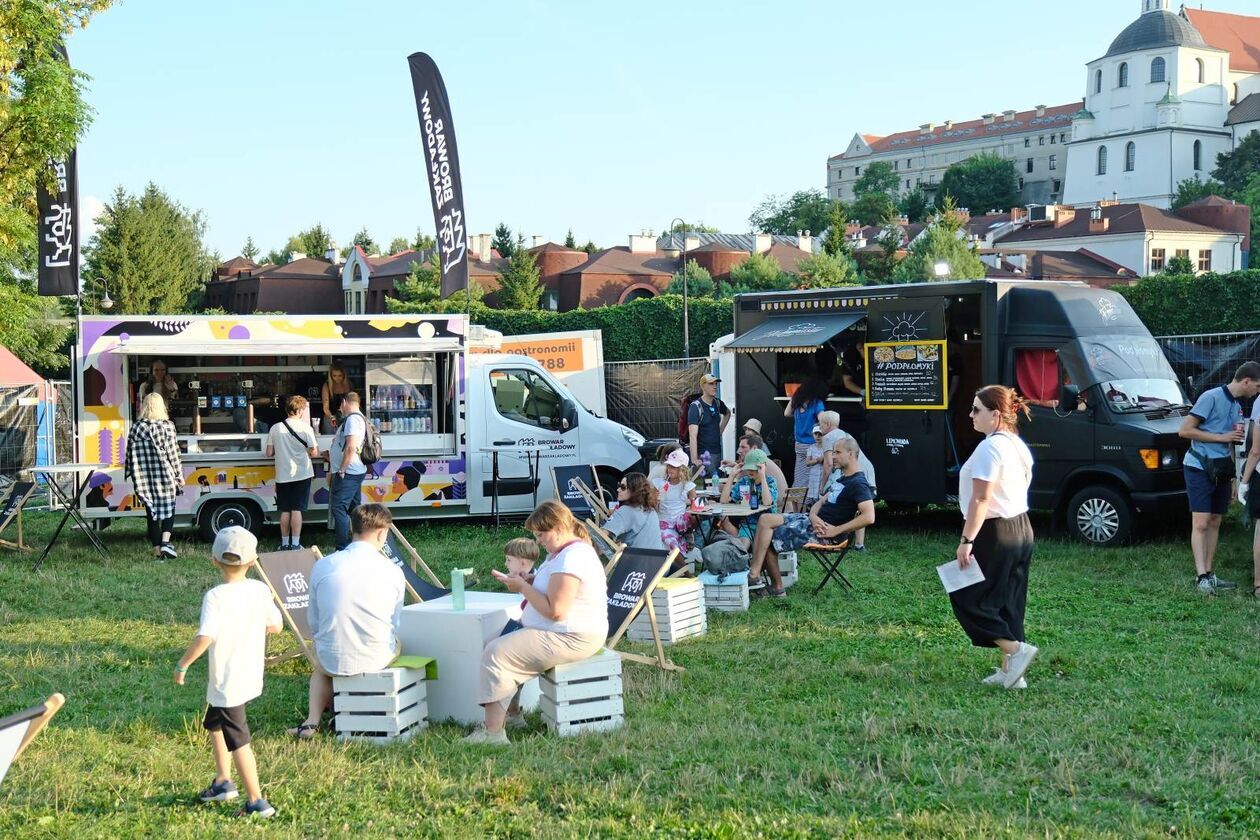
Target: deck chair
(11,510)
(593,500)
(793,500)
(605,544)
(19,729)
(292,571)
(633,577)
(400,551)
(830,556)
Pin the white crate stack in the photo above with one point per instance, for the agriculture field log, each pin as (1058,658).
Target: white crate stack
(727,597)
(680,612)
(583,696)
(381,707)
(788,568)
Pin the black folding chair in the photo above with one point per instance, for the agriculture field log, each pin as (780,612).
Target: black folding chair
(830,556)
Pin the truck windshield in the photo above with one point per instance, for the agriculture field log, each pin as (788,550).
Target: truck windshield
(1131,395)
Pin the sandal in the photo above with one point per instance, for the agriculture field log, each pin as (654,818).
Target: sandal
(1255,592)
(304,731)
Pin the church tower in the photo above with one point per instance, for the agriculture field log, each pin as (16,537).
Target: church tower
(1154,113)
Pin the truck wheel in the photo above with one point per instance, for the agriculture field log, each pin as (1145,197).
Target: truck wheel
(608,480)
(1100,516)
(214,518)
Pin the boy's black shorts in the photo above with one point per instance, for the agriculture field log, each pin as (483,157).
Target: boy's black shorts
(231,721)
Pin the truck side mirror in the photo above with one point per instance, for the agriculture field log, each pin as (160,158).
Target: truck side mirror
(1068,395)
(568,415)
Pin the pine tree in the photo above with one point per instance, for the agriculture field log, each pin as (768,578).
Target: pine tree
(502,242)
(249,250)
(569,241)
(520,286)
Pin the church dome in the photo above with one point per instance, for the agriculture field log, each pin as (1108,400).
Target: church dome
(1156,29)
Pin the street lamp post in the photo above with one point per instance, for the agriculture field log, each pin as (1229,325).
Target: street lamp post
(686,318)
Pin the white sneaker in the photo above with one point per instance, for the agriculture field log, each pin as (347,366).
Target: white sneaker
(998,677)
(481,735)
(1018,663)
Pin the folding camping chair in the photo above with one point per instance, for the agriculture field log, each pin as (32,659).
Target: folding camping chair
(793,500)
(830,556)
(18,730)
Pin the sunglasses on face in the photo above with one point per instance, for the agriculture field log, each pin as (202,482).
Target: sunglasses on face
(976,409)
(622,487)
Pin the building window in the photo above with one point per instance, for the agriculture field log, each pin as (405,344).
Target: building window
(1198,156)
(1097,81)
(1021,183)
(1130,156)
(909,163)
(1202,68)
(1205,260)
(857,170)
(1063,138)
(1051,138)
(1157,70)
(1233,100)
(1058,185)
(1054,161)
(1041,141)
(1122,75)
(896,165)
(1102,160)
(1157,260)
(1182,254)
(907,183)
(1027,142)
(1028,165)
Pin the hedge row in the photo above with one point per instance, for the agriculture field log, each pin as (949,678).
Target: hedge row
(1183,304)
(648,328)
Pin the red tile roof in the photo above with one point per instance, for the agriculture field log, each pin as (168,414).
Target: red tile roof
(1237,34)
(619,260)
(787,256)
(1024,122)
(1121,218)
(547,247)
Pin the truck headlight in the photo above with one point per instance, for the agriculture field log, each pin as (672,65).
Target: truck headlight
(632,437)
(1169,458)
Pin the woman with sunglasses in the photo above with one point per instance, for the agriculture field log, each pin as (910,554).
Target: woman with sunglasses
(993,495)
(635,522)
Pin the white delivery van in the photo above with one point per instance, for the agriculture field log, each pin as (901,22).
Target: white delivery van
(441,410)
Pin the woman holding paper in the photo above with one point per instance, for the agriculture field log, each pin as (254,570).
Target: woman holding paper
(996,535)
(565,619)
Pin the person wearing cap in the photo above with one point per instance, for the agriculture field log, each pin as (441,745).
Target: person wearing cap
(814,463)
(751,484)
(675,492)
(747,443)
(355,606)
(707,417)
(236,617)
(752,426)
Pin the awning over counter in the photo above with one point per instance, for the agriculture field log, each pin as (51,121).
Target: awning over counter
(797,333)
(144,346)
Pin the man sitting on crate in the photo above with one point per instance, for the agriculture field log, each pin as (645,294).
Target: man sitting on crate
(356,598)
(848,507)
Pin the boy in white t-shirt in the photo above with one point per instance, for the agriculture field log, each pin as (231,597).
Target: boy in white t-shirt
(236,617)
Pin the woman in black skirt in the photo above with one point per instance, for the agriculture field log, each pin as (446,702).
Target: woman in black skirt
(993,494)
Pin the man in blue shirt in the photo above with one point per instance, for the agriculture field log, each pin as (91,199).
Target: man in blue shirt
(1213,427)
(706,420)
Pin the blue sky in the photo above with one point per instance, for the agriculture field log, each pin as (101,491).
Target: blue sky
(608,118)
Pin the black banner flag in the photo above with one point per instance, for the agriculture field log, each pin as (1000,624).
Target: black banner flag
(59,225)
(434,110)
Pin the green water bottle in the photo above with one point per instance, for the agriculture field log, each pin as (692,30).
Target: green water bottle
(457,588)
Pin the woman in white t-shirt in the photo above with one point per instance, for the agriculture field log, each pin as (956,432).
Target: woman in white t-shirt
(565,619)
(996,535)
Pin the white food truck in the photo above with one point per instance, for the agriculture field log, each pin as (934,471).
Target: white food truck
(444,413)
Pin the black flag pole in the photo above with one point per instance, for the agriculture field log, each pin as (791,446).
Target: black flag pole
(442,166)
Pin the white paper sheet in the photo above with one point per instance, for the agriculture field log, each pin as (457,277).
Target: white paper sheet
(954,577)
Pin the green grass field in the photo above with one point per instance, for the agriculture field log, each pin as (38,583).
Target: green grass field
(827,716)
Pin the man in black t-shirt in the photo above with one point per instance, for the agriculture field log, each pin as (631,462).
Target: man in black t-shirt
(706,420)
(849,507)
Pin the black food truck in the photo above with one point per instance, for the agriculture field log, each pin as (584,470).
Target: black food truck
(903,361)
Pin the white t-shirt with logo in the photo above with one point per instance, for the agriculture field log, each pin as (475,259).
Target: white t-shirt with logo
(1005,461)
(237,615)
(672,498)
(293,457)
(589,611)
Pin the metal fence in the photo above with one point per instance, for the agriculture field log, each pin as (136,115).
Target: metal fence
(36,427)
(647,395)
(1207,360)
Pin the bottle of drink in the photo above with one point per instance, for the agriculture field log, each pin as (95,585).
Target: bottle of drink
(386,426)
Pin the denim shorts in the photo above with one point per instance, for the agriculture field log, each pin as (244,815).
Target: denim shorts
(1206,496)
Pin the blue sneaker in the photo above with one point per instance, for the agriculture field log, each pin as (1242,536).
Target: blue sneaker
(219,791)
(260,808)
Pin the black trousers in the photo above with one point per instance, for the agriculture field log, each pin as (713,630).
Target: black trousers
(994,608)
(157,526)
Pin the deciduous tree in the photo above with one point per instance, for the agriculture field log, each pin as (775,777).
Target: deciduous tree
(878,178)
(1234,169)
(699,281)
(823,271)
(758,273)
(980,183)
(802,210)
(399,244)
